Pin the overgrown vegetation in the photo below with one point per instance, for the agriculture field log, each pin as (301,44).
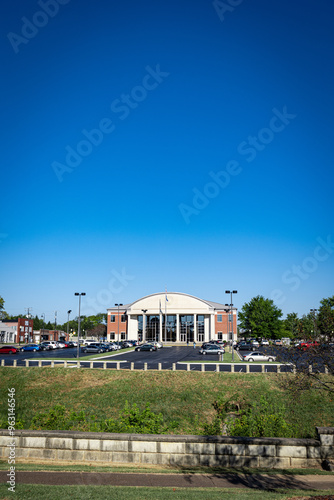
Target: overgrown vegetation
(163,402)
(131,420)
(263,418)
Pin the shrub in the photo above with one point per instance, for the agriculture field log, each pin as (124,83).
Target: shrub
(58,418)
(262,419)
(131,420)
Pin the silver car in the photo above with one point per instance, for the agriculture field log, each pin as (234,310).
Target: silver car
(212,349)
(95,348)
(258,356)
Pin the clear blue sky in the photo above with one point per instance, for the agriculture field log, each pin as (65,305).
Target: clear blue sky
(183,92)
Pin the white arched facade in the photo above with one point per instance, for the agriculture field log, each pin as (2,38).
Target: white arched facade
(171,317)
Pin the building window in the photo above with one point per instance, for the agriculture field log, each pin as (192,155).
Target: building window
(200,327)
(112,336)
(220,335)
(112,318)
(123,336)
(187,328)
(219,318)
(123,318)
(140,328)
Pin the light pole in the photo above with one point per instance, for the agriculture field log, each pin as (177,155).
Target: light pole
(42,329)
(313,312)
(231,315)
(78,346)
(55,333)
(144,311)
(68,319)
(118,306)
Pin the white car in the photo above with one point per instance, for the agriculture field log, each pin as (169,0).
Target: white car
(258,356)
(158,345)
(114,346)
(61,345)
(51,344)
(265,342)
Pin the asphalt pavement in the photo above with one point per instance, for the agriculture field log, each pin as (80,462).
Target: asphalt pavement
(167,356)
(232,480)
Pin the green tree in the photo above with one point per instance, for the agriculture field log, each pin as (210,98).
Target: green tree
(318,328)
(291,325)
(306,327)
(3,313)
(325,318)
(261,318)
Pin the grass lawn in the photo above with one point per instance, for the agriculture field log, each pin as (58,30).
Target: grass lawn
(155,469)
(181,396)
(32,492)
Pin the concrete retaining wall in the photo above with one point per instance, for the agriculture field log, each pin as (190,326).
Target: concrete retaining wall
(84,447)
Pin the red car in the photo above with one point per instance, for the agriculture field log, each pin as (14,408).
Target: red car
(8,349)
(308,345)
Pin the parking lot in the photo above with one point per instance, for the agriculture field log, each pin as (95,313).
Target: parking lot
(167,358)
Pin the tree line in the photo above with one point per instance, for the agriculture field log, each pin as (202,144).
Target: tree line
(95,325)
(260,318)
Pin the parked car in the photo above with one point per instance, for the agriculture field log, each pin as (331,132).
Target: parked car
(49,344)
(105,346)
(264,342)
(278,342)
(115,347)
(146,347)
(246,346)
(8,349)
(71,344)
(61,345)
(93,348)
(45,346)
(212,349)
(127,343)
(158,344)
(308,345)
(258,356)
(31,347)
(255,344)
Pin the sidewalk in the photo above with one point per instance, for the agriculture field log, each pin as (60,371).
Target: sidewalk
(257,481)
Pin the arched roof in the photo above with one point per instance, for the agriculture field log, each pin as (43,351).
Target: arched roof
(175,300)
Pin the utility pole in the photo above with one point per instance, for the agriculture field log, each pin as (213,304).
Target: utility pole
(28,316)
(230,292)
(54,336)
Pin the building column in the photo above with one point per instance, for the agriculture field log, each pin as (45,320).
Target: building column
(144,328)
(177,327)
(160,327)
(195,328)
(212,326)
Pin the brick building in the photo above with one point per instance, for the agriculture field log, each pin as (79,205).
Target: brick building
(23,329)
(171,317)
